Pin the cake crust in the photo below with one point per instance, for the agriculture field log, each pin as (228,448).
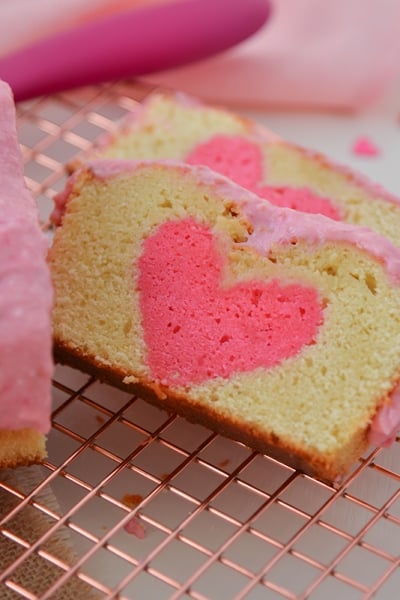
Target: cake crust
(156,394)
(22,447)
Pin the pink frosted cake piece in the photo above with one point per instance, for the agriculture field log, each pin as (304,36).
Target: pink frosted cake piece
(25,307)
(278,328)
(179,127)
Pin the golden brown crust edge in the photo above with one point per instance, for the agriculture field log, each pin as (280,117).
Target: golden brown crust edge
(22,447)
(328,470)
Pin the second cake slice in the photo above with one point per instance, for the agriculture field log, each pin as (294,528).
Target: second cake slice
(175,126)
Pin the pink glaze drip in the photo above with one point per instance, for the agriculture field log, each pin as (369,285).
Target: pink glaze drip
(60,201)
(386,423)
(25,291)
(208,330)
(242,161)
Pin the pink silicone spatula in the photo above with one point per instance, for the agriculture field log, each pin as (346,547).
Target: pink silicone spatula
(132,43)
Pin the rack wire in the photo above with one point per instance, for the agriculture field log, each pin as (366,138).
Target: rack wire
(136,503)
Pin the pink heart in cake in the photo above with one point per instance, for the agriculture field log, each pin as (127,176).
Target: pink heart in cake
(232,156)
(242,161)
(302,199)
(196,328)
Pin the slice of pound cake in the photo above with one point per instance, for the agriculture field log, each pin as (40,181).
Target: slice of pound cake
(25,308)
(177,127)
(278,329)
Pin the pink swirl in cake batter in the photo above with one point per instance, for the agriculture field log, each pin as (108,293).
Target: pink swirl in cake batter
(242,161)
(207,329)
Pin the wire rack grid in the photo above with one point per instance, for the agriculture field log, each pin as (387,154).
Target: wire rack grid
(136,503)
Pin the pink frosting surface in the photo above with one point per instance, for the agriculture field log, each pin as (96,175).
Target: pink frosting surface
(276,225)
(208,330)
(25,291)
(242,161)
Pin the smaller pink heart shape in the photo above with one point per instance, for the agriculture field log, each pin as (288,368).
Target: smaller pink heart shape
(196,329)
(242,161)
(231,155)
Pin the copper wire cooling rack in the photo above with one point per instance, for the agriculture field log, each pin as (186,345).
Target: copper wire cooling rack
(136,503)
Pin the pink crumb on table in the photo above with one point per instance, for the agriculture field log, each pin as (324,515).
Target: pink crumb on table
(134,527)
(364,146)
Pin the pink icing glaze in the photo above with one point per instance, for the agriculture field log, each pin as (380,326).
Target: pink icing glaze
(60,201)
(206,329)
(242,161)
(353,177)
(386,423)
(272,225)
(25,291)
